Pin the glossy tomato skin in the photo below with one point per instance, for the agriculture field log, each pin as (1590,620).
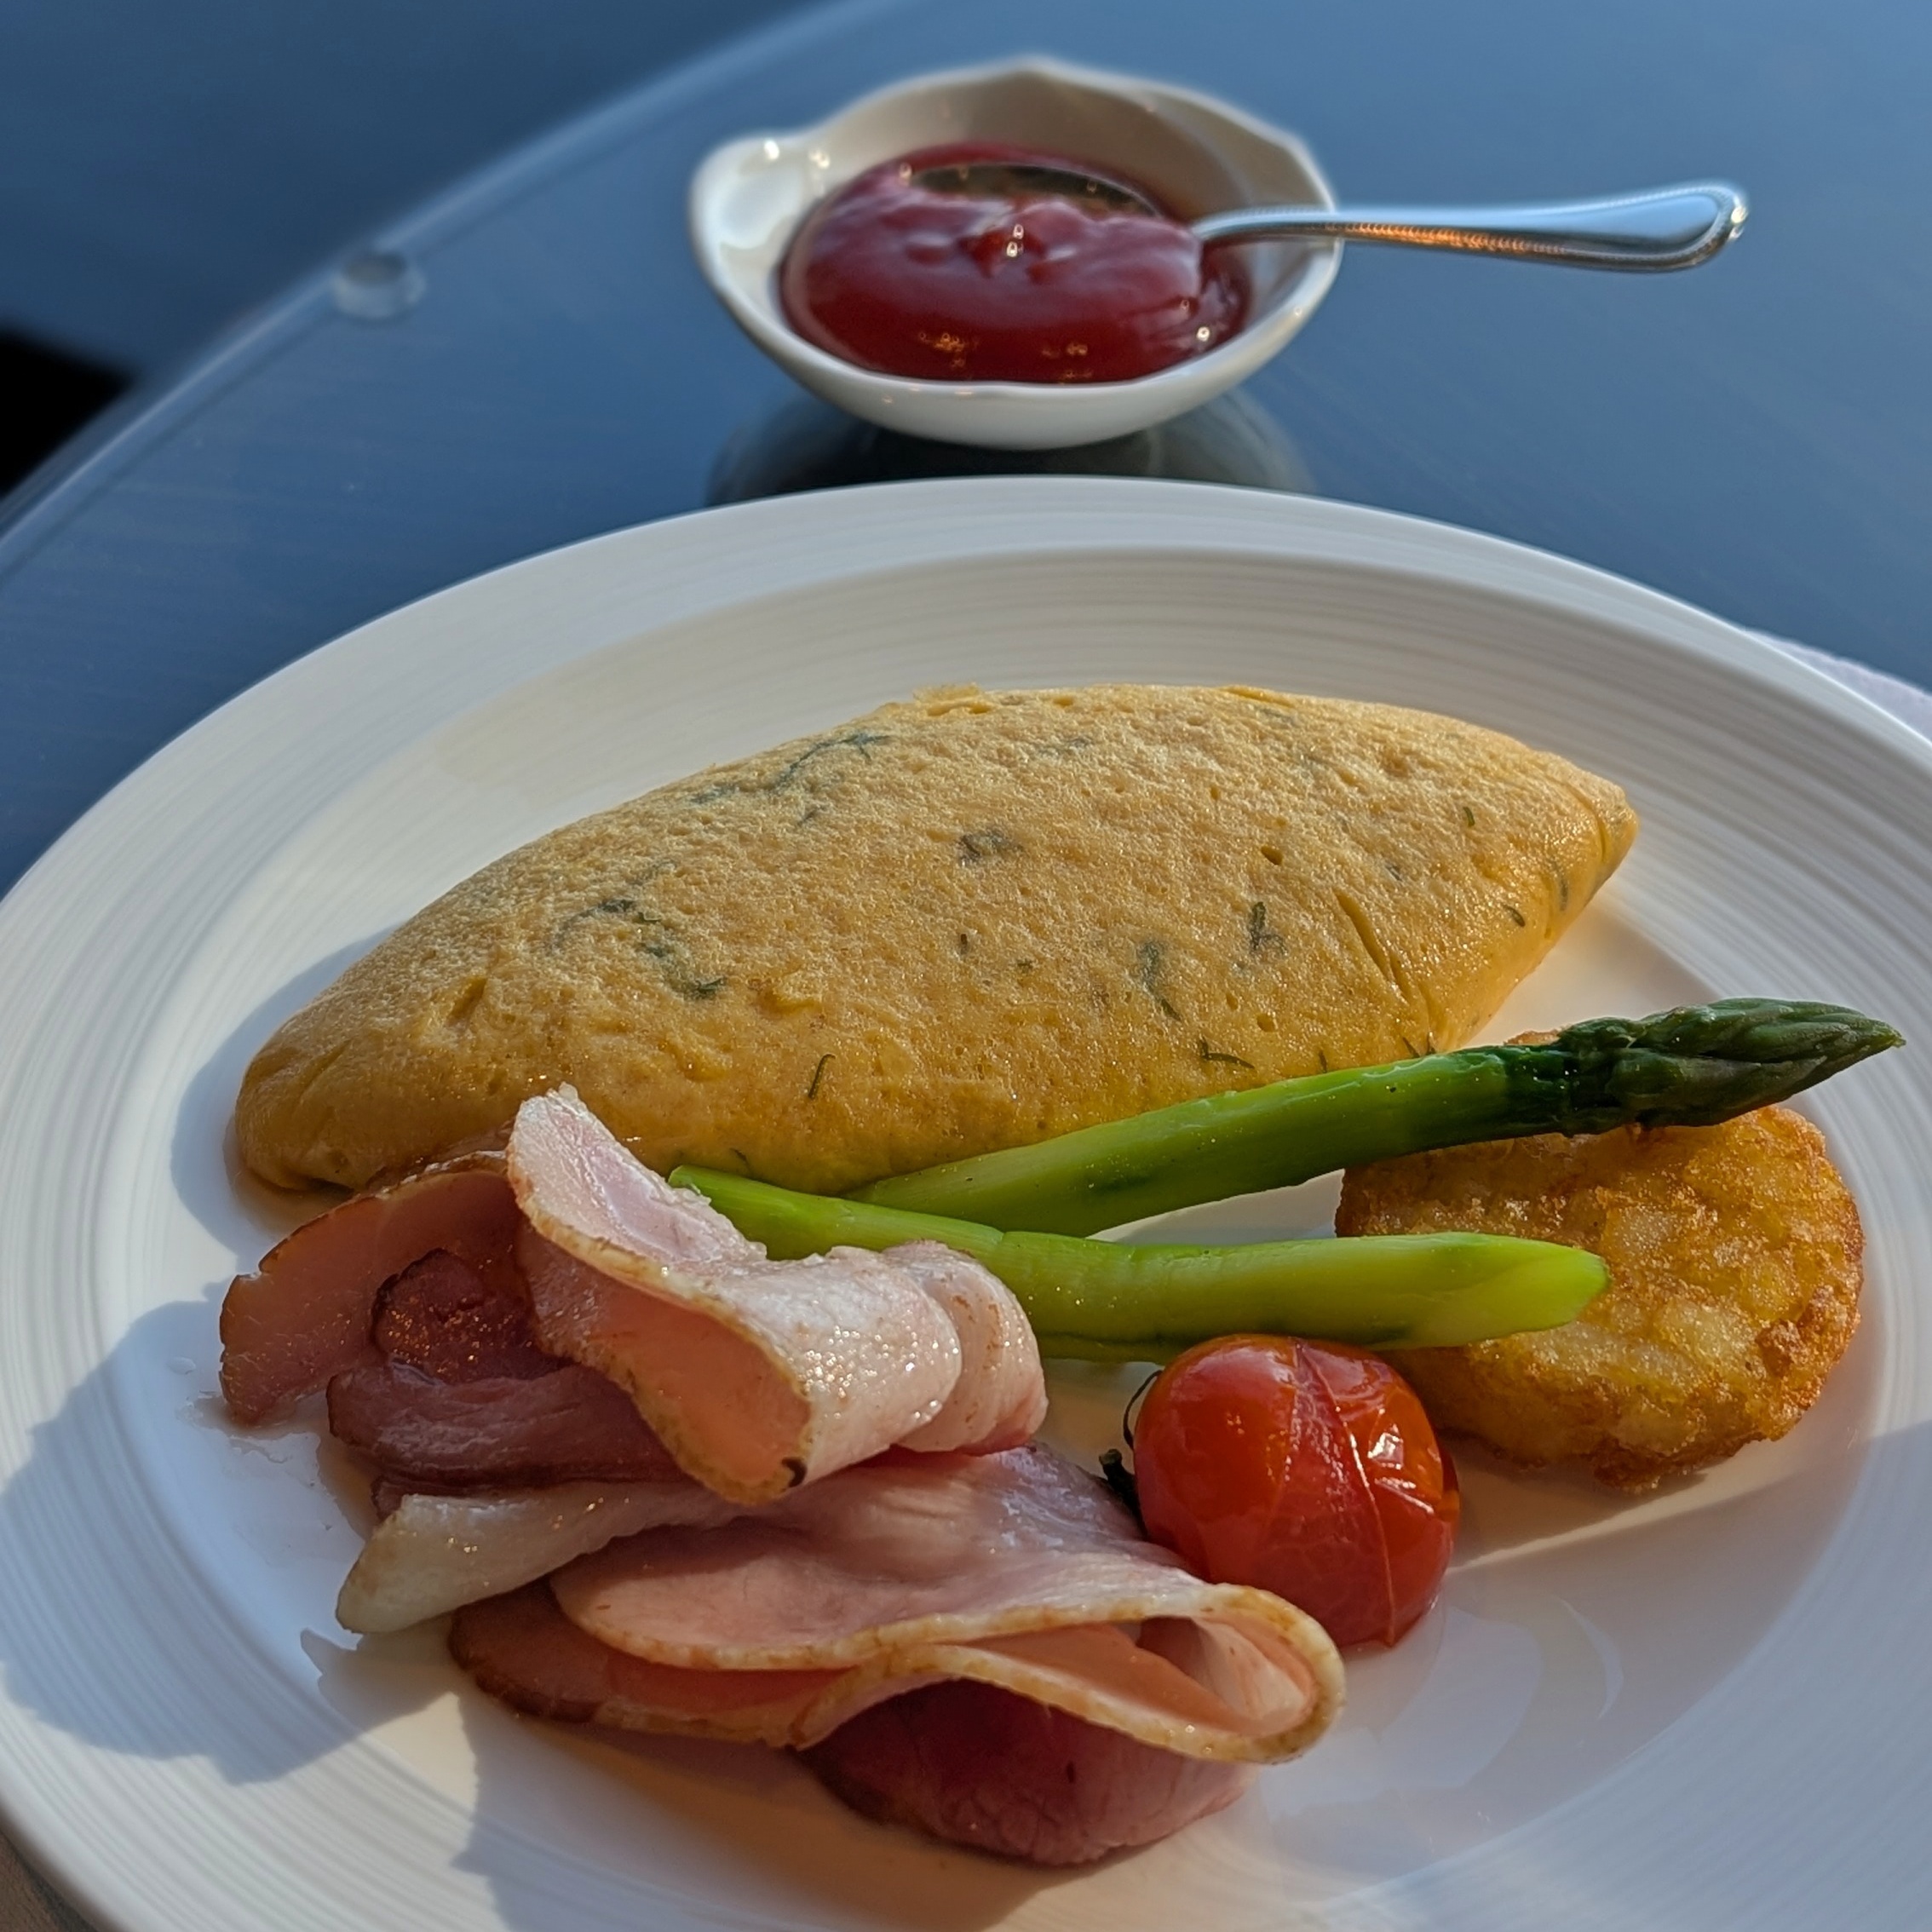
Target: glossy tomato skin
(1306,1468)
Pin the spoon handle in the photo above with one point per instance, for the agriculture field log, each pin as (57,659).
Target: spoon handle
(1675,227)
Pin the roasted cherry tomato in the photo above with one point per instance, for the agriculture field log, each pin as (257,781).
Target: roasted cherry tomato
(1306,1469)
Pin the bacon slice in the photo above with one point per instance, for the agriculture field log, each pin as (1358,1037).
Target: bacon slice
(1009,1569)
(985,1768)
(962,1761)
(432,1552)
(979,1646)
(1000,1397)
(447,1318)
(507,1432)
(758,1375)
(522,1649)
(965,1761)
(306,1313)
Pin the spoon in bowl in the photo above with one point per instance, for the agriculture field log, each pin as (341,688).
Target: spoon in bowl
(1673,227)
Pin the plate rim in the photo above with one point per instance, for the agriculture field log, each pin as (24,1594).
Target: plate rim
(1122,501)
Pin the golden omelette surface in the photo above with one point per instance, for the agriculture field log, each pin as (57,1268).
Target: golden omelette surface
(961,923)
(1734,1257)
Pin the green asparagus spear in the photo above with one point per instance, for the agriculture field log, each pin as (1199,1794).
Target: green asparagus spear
(1691,1066)
(1107,1301)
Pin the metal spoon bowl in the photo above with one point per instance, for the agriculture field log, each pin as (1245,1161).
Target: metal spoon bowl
(1673,227)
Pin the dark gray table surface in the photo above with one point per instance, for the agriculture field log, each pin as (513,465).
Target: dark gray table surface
(1755,436)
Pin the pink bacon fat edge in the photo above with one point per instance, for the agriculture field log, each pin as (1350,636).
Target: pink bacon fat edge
(1000,1398)
(431,1554)
(758,1375)
(521,1648)
(306,1314)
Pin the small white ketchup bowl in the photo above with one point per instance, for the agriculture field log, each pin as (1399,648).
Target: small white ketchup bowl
(1197,156)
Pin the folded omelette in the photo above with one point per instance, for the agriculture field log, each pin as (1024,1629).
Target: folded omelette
(965,922)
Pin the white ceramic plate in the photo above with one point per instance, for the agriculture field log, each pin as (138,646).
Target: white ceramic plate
(1705,1709)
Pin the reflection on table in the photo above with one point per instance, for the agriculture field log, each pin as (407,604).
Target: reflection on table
(804,443)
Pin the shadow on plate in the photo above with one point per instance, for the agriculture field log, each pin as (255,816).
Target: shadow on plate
(120,1642)
(731,1831)
(1578,1625)
(228,1200)
(805,444)
(1576,1629)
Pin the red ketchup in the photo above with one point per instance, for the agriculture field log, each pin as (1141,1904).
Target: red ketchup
(1012,287)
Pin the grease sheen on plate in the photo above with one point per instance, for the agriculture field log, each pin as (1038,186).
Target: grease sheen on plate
(1599,1669)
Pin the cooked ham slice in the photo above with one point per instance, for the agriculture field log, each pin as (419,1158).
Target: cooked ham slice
(1010,1569)
(448,1321)
(1000,1397)
(983,1767)
(522,1649)
(571,1425)
(962,1761)
(306,1313)
(980,1646)
(758,1375)
(432,1552)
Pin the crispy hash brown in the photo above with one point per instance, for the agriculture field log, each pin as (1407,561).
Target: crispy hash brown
(1734,1276)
